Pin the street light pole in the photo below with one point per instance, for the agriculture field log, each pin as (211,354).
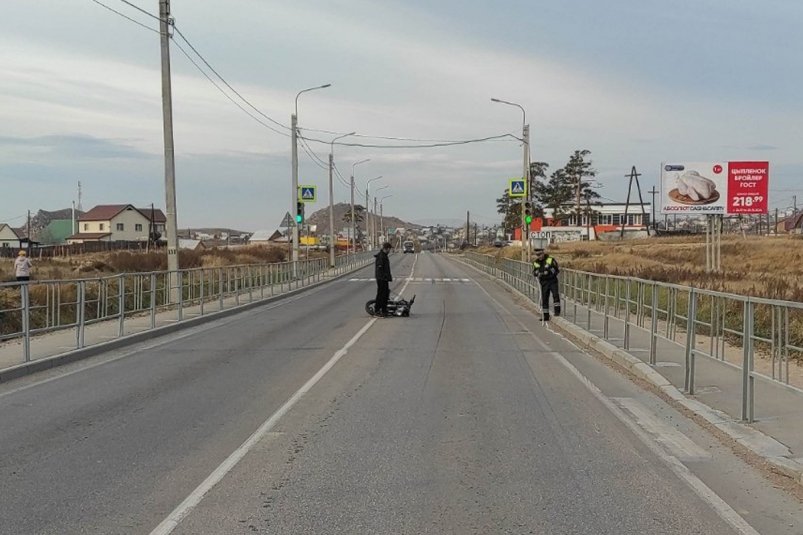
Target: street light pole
(525,138)
(332,236)
(374,233)
(353,224)
(294,187)
(368,211)
(382,216)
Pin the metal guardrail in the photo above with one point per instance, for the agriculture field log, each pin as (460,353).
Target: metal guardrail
(734,329)
(44,306)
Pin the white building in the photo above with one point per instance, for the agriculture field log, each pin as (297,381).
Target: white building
(117,222)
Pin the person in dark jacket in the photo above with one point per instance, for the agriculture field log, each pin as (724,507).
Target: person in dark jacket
(545,269)
(383,278)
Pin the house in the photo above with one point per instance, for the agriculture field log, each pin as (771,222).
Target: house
(10,237)
(603,217)
(264,237)
(192,245)
(117,222)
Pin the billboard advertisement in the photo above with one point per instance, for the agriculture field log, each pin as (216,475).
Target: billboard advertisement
(724,188)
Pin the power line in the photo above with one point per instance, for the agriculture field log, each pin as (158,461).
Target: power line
(271,119)
(254,117)
(391,138)
(420,146)
(424,143)
(141,10)
(126,16)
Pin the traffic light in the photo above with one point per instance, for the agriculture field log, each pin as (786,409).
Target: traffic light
(299,212)
(528,212)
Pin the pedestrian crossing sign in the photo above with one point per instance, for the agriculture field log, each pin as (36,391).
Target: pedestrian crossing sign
(517,188)
(307,193)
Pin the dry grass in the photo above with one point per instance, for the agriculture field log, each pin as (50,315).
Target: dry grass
(99,264)
(762,267)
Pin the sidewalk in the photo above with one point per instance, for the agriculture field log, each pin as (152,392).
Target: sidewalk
(65,341)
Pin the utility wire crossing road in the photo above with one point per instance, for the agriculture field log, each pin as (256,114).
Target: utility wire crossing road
(307,416)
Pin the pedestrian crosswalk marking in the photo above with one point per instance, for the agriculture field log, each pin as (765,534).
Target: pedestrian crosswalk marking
(416,279)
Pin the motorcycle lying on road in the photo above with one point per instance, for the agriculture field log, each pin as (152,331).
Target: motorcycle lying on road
(396,307)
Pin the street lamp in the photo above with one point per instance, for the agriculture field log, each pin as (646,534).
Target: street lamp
(353,225)
(525,137)
(368,210)
(294,187)
(382,215)
(374,233)
(332,235)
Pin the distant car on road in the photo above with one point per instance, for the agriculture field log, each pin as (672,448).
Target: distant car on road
(408,247)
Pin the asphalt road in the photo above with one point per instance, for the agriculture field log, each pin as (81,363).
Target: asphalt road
(467,417)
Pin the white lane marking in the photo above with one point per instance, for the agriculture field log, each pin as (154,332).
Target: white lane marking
(184,508)
(673,441)
(720,507)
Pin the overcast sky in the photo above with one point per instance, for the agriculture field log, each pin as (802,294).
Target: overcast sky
(636,82)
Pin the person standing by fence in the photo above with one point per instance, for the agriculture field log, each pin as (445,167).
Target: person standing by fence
(22,267)
(545,269)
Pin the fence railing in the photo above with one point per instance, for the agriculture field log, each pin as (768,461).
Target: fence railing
(44,306)
(732,329)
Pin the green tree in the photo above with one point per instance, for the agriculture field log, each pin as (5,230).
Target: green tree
(580,173)
(559,193)
(510,209)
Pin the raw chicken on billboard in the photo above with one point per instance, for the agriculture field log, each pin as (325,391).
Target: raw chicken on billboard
(694,188)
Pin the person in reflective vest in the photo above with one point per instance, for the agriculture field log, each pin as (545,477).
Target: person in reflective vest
(545,269)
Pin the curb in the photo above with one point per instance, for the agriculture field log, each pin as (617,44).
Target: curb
(776,454)
(46,363)
(773,452)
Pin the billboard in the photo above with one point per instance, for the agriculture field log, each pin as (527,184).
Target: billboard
(724,188)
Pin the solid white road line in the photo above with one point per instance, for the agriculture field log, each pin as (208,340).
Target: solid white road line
(184,508)
(720,507)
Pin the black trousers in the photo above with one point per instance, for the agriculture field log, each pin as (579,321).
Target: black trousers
(382,296)
(550,287)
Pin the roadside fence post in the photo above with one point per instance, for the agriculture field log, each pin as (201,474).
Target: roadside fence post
(654,324)
(691,325)
(26,320)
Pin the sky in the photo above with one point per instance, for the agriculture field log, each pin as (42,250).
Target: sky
(634,82)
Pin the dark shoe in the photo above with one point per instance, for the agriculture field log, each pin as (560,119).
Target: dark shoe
(546,316)
(557,310)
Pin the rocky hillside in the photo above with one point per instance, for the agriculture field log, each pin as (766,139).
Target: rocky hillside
(321,219)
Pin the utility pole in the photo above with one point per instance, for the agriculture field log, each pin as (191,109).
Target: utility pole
(525,175)
(353,226)
(332,234)
(294,186)
(634,178)
(374,233)
(368,220)
(468,227)
(29,230)
(653,192)
(171,225)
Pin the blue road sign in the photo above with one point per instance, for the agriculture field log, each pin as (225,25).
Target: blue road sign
(307,193)
(517,188)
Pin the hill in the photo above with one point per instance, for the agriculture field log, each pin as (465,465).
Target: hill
(321,219)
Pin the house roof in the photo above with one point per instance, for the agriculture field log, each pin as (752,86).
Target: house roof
(158,215)
(106,212)
(12,229)
(88,236)
(794,221)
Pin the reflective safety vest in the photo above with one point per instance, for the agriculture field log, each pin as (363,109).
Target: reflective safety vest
(547,270)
